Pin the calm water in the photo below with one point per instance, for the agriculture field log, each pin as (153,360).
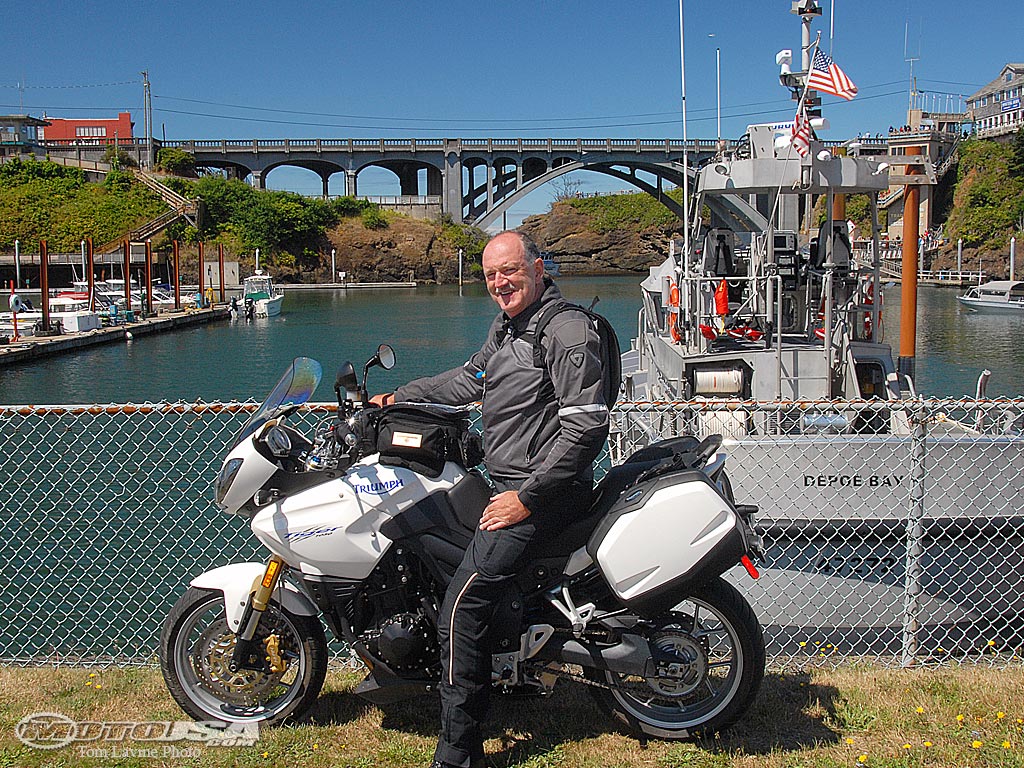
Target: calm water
(433,328)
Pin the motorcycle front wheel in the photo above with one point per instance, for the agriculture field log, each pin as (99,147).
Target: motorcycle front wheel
(196,645)
(712,653)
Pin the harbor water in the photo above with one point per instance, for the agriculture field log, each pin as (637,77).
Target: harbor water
(436,327)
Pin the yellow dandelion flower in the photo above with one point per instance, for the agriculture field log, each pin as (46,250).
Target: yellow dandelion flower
(920,710)
(265,754)
(92,674)
(1020,721)
(88,682)
(803,643)
(829,645)
(927,743)
(316,746)
(906,746)
(862,759)
(991,643)
(1000,715)
(849,741)
(959,718)
(976,744)
(1006,745)
(98,686)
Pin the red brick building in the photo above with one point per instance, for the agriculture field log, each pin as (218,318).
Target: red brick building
(88,130)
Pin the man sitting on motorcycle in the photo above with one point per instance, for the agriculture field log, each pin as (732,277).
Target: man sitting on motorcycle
(543,427)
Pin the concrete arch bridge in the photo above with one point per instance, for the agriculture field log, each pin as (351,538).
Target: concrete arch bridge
(472,180)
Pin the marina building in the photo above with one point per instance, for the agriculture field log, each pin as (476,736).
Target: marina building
(19,134)
(996,108)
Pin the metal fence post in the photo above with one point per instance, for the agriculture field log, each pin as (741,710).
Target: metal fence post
(915,535)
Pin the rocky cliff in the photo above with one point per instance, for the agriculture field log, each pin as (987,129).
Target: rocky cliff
(580,248)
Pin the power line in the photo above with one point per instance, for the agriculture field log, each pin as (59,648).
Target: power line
(25,87)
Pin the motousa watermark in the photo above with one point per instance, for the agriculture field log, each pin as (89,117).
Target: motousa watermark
(53,730)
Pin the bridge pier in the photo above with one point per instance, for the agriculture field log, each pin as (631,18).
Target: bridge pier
(451,180)
(258,181)
(351,184)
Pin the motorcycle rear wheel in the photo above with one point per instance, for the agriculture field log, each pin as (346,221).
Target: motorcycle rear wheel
(195,649)
(718,640)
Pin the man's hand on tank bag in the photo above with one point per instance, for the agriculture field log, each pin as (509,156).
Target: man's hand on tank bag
(504,510)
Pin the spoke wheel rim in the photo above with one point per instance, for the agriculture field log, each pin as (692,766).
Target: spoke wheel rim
(710,671)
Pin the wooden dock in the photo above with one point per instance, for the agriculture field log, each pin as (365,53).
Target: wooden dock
(30,348)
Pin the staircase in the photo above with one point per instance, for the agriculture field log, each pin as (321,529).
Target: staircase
(181,208)
(941,170)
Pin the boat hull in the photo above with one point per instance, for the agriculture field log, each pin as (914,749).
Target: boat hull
(995,307)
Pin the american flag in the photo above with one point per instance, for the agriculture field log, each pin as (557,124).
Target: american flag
(801,134)
(827,77)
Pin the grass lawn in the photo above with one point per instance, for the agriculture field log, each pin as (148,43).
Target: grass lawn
(856,715)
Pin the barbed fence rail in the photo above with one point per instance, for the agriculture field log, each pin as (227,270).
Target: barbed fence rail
(892,529)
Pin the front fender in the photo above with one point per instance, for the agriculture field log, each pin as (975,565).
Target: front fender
(238,580)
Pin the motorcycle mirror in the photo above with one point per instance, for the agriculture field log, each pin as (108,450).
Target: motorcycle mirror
(346,378)
(386,357)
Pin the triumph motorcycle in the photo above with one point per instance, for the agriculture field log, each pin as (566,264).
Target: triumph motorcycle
(366,523)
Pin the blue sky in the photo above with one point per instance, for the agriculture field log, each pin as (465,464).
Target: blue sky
(477,69)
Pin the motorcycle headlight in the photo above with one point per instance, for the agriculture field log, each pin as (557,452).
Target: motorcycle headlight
(226,477)
(278,441)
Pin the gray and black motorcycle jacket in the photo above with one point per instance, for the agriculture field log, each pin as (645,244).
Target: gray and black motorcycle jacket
(542,427)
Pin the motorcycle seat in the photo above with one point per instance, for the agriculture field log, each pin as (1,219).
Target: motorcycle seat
(608,490)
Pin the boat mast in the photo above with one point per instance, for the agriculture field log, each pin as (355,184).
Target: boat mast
(686,185)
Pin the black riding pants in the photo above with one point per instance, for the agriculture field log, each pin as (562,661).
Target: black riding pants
(488,567)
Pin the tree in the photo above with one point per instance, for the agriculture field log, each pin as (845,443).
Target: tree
(1015,165)
(176,161)
(119,158)
(566,188)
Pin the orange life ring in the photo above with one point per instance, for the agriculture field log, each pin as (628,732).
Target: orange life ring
(673,313)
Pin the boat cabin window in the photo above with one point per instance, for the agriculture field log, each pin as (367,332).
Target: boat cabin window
(871,379)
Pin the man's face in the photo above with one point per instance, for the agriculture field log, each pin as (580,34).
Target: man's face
(513,282)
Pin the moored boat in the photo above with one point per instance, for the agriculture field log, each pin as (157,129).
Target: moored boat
(1005,296)
(260,291)
(776,343)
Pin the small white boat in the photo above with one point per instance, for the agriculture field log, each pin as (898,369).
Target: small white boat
(265,297)
(995,296)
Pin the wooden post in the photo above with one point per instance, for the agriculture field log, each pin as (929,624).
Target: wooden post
(44,285)
(908,302)
(127,277)
(90,279)
(149,277)
(202,259)
(177,275)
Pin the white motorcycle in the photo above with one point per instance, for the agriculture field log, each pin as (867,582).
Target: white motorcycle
(366,525)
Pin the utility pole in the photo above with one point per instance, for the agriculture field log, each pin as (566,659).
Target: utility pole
(147,108)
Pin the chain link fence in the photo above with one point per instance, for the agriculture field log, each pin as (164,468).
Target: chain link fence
(892,529)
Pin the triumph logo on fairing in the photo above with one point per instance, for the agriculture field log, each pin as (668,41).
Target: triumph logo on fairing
(378,489)
(853,481)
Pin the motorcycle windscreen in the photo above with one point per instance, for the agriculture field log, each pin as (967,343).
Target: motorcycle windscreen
(296,386)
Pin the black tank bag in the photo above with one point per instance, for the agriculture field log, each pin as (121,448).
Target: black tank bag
(422,438)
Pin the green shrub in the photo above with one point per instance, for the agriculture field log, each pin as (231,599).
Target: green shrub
(177,161)
(374,218)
